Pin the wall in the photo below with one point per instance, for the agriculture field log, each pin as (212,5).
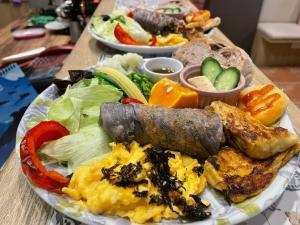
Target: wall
(239,19)
(10,12)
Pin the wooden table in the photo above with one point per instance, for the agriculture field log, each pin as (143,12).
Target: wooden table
(19,204)
(10,46)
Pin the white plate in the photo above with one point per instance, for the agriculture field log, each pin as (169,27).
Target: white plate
(222,213)
(57,25)
(143,50)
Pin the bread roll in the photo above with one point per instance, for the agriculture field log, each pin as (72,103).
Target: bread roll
(266,103)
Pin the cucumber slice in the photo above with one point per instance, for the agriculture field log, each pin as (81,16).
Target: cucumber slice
(176,10)
(228,79)
(210,68)
(168,10)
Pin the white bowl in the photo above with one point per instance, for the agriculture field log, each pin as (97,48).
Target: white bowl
(160,62)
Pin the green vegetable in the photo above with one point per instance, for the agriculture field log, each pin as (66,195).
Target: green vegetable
(120,19)
(172,10)
(210,68)
(80,106)
(228,79)
(142,82)
(105,29)
(105,78)
(87,82)
(120,79)
(88,143)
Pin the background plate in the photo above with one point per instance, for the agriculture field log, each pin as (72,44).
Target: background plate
(143,50)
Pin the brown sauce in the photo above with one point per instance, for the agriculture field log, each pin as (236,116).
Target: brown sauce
(163,70)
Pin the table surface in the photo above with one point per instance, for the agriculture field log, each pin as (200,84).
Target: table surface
(19,204)
(10,46)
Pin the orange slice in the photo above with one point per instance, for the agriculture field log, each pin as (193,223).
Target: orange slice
(171,94)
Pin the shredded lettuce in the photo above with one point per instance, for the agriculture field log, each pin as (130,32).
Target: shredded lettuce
(80,106)
(90,142)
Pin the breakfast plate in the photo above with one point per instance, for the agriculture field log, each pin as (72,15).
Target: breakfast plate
(222,212)
(143,50)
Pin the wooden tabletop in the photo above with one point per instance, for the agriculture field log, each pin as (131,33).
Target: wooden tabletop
(19,204)
(10,46)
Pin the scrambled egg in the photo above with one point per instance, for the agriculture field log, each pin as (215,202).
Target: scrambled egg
(170,39)
(101,196)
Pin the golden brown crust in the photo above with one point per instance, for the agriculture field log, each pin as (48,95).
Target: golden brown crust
(250,135)
(241,177)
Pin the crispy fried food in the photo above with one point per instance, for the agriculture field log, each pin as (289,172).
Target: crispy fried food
(241,177)
(250,135)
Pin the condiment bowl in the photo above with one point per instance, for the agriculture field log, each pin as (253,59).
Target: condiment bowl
(162,62)
(206,97)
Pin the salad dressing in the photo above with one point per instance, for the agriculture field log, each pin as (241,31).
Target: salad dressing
(163,70)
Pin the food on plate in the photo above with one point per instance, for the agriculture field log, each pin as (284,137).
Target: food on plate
(124,38)
(142,183)
(266,103)
(105,27)
(74,77)
(174,8)
(126,63)
(171,11)
(142,82)
(122,81)
(32,167)
(201,131)
(171,94)
(240,177)
(250,135)
(201,19)
(200,16)
(210,68)
(197,50)
(202,82)
(143,27)
(79,106)
(156,23)
(130,100)
(222,80)
(75,149)
(170,40)
(164,70)
(228,79)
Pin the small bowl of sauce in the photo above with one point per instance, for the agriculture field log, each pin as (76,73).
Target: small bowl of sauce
(161,67)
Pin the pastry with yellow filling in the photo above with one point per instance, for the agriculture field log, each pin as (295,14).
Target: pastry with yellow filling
(141,183)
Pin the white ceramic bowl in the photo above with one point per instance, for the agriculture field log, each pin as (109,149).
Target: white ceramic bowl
(162,62)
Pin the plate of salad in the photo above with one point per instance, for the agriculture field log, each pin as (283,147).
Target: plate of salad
(148,32)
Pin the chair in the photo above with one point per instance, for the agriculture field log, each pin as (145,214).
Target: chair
(277,40)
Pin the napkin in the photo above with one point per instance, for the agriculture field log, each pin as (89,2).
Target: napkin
(15,95)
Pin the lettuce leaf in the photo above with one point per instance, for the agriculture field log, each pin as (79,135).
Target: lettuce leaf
(80,107)
(106,29)
(90,142)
